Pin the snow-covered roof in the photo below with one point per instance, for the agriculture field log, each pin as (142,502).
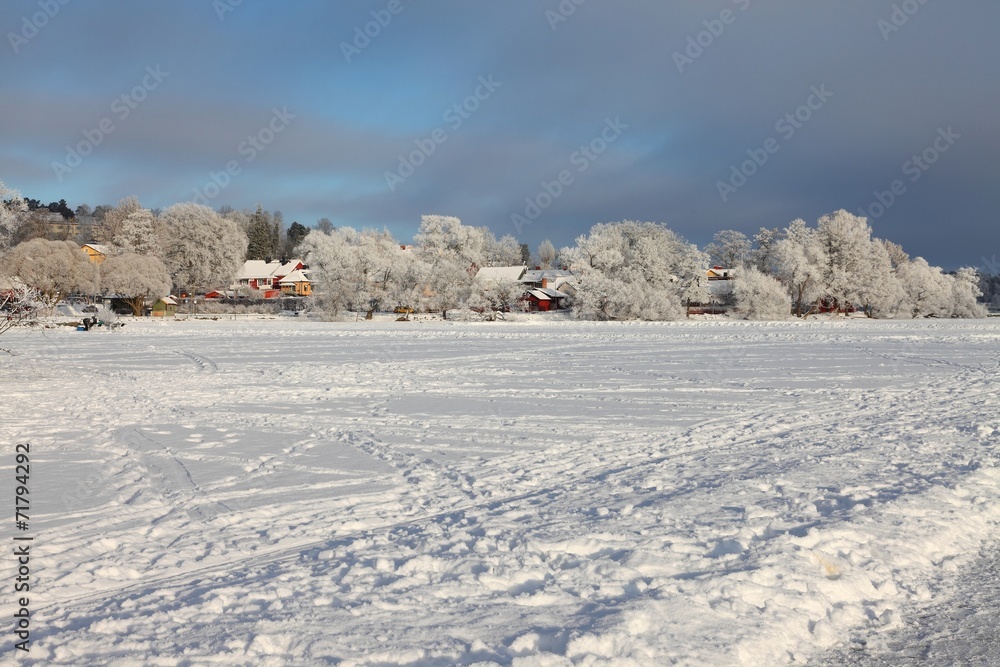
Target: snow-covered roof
(294,277)
(97,247)
(169,300)
(537,275)
(258,269)
(540,295)
(552,293)
(501,273)
(720,273)
(287,268)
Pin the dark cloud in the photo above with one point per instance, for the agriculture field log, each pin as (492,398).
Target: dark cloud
(893,90)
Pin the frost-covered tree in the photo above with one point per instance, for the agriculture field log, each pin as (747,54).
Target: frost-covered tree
(505,251)
(442,235)
(634,270)
(897,256)
(452,253)
(851,264)
(204,250)
(546,254)
(137,234)
(490,297)
(449,283)
(729,249)
(928,291)
(355,270)
(110,225)
(758,296)
(20,306)
(409,284)
(881,291)
(12,215)
(965,294)
(800,262)
(763,254)
(54,269)
(135,279)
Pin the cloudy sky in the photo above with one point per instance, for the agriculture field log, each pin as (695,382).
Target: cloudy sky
(536,118)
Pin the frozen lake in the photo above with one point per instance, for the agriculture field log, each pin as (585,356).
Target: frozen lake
(282,492)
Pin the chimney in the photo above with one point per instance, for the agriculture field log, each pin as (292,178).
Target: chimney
(545,283)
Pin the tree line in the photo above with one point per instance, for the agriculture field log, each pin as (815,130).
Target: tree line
(621,270)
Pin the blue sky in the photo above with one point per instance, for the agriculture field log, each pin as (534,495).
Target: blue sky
(165,96)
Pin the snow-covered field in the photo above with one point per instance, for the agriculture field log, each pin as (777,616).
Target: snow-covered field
(285,492)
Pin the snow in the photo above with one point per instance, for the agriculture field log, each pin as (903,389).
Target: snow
(544,492)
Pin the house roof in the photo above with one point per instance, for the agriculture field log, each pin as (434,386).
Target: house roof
(257,268)
(288,267)
(720,273)
(537,275)
(540,295)
(552,293)
(513,273)
(295,276)
(97,247)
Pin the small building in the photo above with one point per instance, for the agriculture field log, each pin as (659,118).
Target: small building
(545,299)
(165,307)
(720,273)
(96,252)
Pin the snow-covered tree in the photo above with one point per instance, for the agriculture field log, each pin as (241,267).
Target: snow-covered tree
(12,215)
(850,264)
(135,279)
(897,256)
(110,225)
(763,254)
(449,283)
(19,305)
(408,286)
(356,270)
(54,269)
(505,251)
(490,297)
(446,235)
(800,262)
(758,296)
(880,291)
(452,253)
(546,254)
(137,234)
(204,250)
(928,291)
(729,249)
(965,294)
(634,270)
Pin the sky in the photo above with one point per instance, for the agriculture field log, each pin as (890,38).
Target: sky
(535,118)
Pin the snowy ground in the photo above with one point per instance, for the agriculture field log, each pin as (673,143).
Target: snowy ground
(286,492)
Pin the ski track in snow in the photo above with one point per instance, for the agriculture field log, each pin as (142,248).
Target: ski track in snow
(710,493)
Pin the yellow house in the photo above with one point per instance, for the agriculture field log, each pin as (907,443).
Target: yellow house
(96,252)
(296,283)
